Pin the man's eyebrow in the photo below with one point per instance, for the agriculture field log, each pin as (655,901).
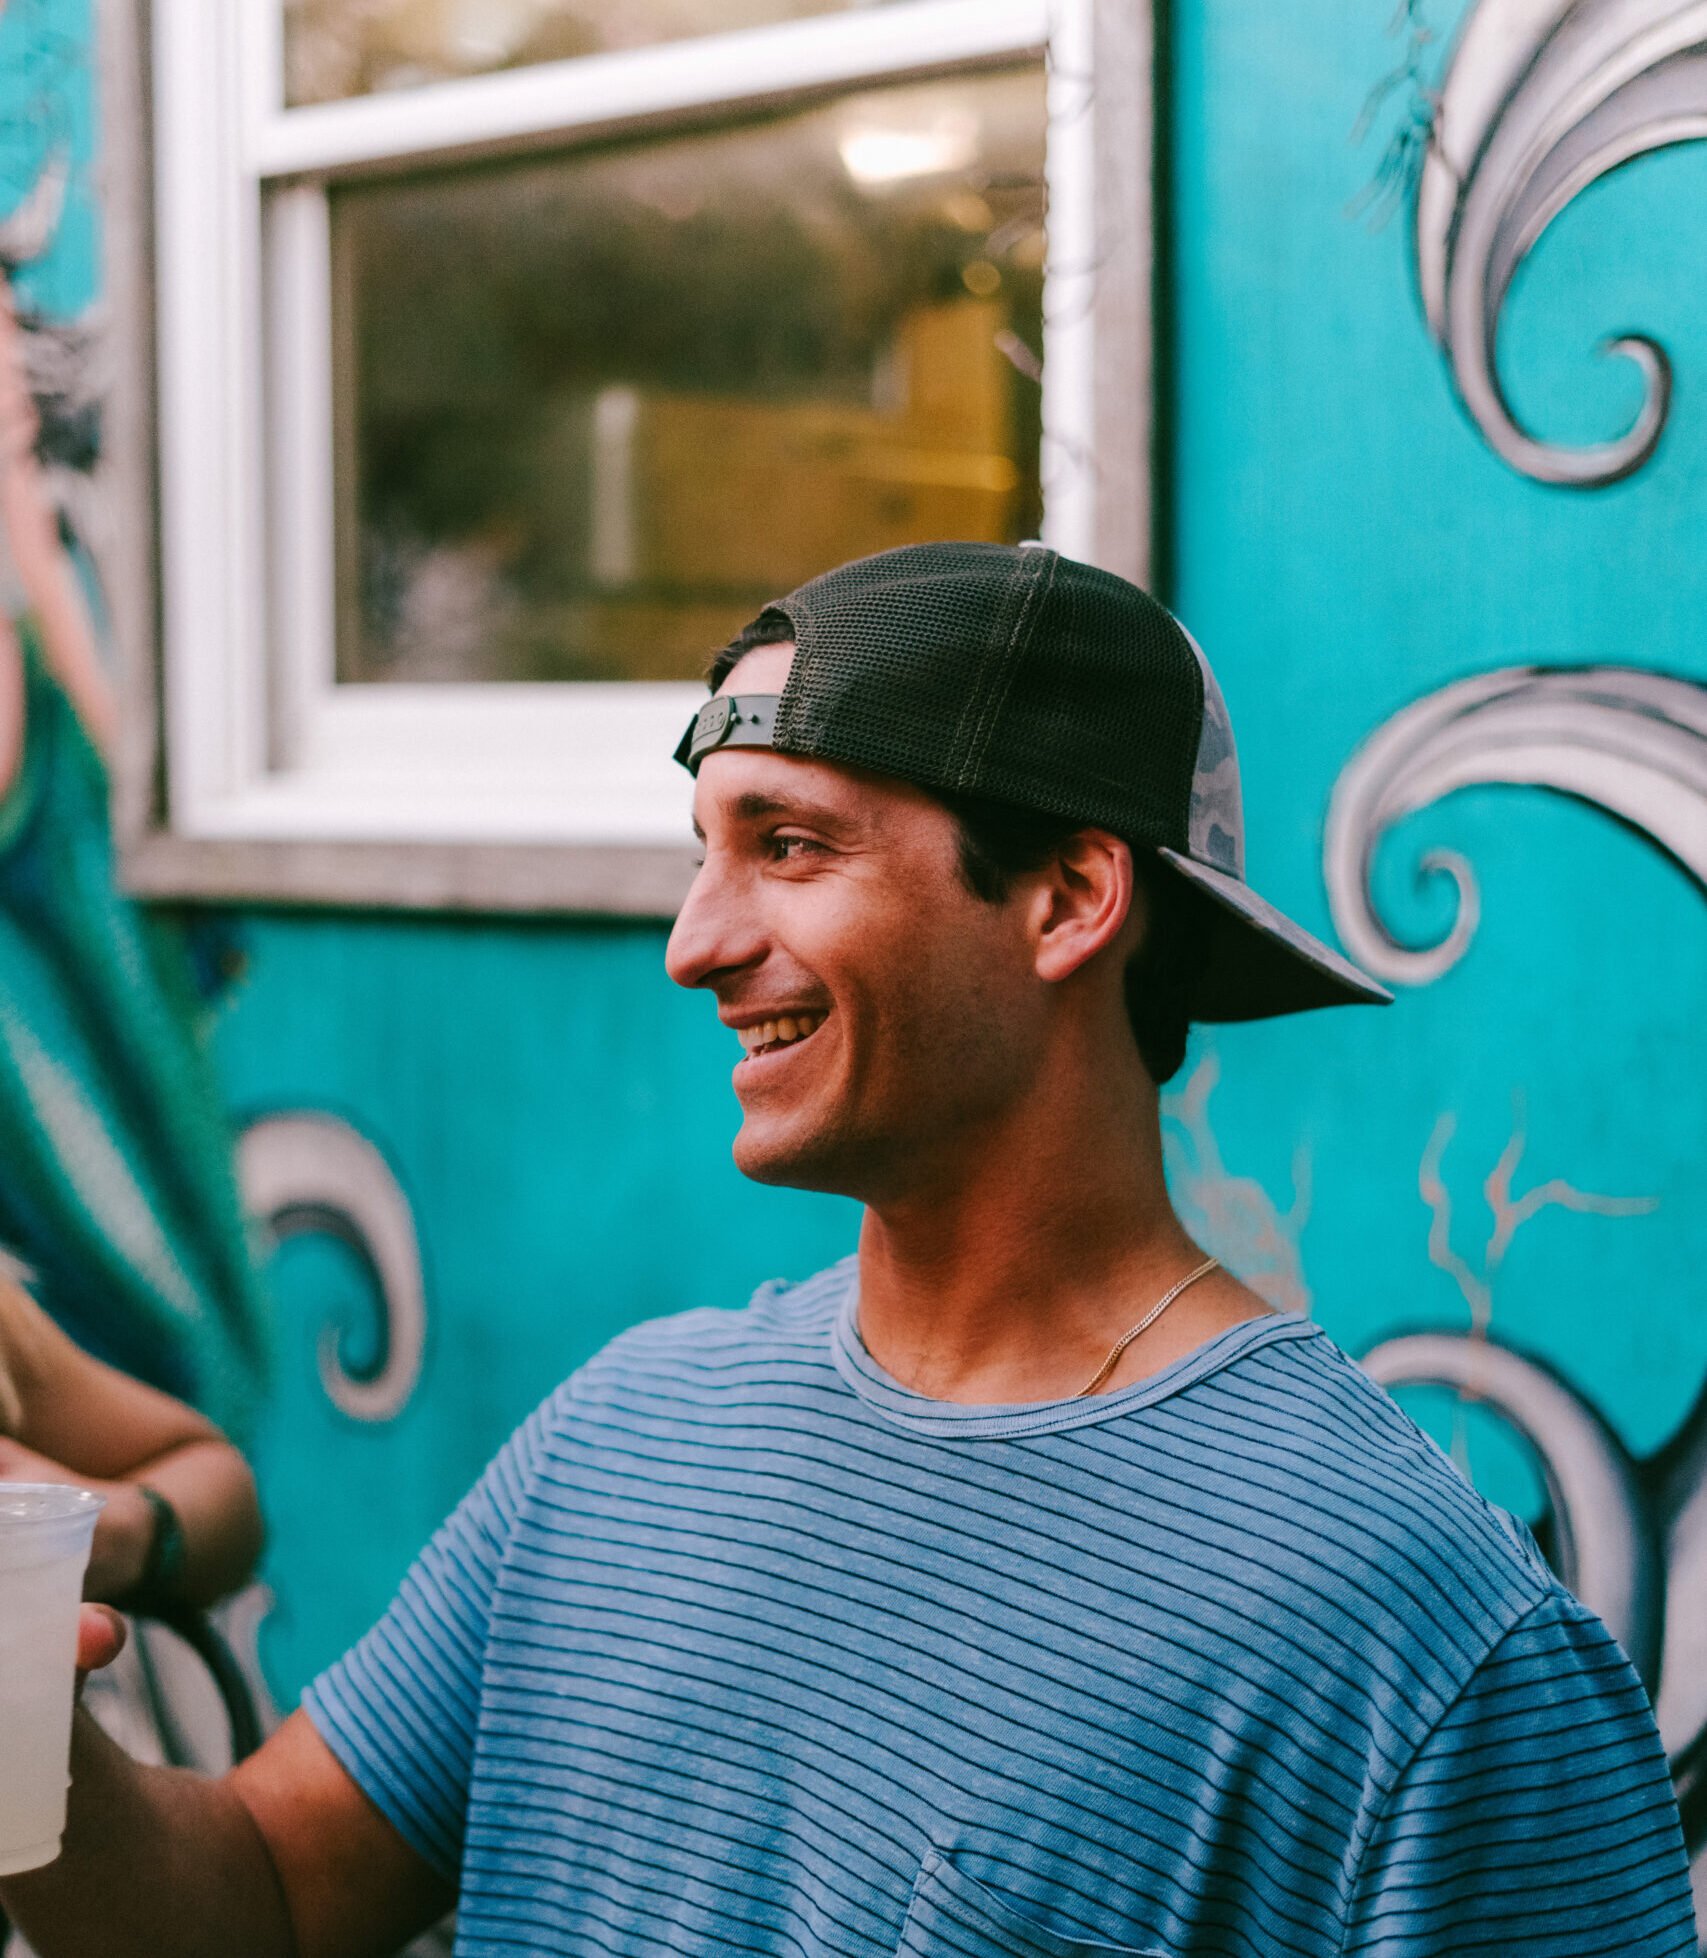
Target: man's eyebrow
(755,806)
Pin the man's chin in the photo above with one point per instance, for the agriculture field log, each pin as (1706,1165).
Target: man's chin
(790,1159)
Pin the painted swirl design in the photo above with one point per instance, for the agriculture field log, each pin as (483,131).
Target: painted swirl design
(306,1172)
(1542,98)
(1631,742)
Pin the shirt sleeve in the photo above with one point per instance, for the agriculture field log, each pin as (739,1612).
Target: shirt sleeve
(1537,1819)
(400,1708)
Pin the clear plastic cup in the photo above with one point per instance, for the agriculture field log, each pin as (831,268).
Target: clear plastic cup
(45,1534)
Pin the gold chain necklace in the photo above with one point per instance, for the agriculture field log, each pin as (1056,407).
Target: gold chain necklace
(1143,1325)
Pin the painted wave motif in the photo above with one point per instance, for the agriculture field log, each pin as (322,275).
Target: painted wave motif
(1630,1535)
(306,1172)
(1629,741)
(1540,99)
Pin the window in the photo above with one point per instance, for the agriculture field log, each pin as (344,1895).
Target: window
(334,49)
(596,408)
(512,353)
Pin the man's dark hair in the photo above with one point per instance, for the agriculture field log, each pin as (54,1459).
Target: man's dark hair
(770,628)
(1000,842)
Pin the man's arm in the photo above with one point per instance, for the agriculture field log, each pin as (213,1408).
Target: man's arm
(353,1886)
(283,1858)
(1537,1819)
(287,1856)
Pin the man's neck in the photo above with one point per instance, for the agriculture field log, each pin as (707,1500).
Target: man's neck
(1009,1275)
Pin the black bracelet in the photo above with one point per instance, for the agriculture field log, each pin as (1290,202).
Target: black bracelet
(155,1590)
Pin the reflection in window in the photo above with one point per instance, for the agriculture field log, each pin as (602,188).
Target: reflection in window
(595,410)
(339,48)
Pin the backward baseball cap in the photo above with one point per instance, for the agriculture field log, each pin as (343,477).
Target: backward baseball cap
(1012,673)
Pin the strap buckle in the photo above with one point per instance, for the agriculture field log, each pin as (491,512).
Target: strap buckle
(728,720)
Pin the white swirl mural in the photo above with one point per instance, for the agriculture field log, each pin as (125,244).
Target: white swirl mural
(1542,98)
(1627,740)
(1628,1535)
(307,1172)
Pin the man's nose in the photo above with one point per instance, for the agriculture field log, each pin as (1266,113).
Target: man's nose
(717,930)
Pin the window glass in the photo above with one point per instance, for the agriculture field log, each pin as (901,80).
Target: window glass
(594,410)
(339,48)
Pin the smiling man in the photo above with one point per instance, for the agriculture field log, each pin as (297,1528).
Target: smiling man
(1022,1585)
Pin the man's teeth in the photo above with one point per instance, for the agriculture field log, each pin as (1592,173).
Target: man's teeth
(780,1031)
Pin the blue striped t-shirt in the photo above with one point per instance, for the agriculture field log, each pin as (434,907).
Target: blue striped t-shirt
(741,1646)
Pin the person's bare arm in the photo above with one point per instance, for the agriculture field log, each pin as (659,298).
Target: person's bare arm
(11,705)
(283,1858)
(88,1423)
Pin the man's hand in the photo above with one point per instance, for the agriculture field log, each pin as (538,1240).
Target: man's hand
(283,1858)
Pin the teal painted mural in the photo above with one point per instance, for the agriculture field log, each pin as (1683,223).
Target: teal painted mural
(1346,544)
(116,1183)
(1467,668)
(1442,551)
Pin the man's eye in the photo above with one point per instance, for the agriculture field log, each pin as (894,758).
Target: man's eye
(793,847)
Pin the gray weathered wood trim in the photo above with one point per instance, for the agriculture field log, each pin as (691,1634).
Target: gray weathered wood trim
(125,546)
(1123,34)
(591,880)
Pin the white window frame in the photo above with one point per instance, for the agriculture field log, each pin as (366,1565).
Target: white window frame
(279,783)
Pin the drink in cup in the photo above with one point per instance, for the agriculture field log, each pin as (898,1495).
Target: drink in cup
(45,1534)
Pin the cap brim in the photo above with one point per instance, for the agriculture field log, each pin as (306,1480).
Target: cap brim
(1260,963)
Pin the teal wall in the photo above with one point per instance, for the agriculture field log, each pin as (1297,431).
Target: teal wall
(48,92)
(1343,542)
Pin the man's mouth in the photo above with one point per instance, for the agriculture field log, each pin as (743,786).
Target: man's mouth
(786,1030)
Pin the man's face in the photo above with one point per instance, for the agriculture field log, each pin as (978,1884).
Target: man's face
(885,1010)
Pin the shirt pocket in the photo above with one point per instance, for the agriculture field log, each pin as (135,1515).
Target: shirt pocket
(952,1915)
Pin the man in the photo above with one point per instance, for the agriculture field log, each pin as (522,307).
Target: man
(1020,1586)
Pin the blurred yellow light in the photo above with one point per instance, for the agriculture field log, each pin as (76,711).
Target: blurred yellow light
(875,155)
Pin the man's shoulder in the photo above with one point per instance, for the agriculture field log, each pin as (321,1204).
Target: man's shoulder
(1355,1485)
(783,1326)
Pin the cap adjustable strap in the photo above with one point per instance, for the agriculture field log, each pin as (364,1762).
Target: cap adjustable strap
(728,720)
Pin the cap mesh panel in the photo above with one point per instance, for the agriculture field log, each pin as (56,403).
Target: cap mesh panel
(1014,674)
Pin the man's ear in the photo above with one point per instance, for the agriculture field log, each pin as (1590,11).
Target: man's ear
(1088,898)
